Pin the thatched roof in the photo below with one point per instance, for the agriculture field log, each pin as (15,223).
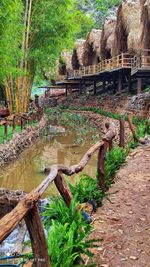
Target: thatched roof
(91,54)
(77,55)
(65,62)
(107,38)
(67,56)
(129,27)
(145,37)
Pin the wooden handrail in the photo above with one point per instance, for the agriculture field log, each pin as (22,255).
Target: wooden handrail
(27,207)
(124,60)
(9,221)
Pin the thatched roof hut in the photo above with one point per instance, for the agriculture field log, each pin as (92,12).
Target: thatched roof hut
(145,37)
(128,27)
(65,62)
(77,56)
(91,54)
(107,38)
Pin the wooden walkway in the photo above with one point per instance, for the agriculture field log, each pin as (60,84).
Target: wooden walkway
(133,66)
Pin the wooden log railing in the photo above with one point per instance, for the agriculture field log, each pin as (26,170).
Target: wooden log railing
(26,208)
(19,119)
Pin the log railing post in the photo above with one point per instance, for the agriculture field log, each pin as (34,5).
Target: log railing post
(21,122)
(122,132)
(37,236)
(63,189)
(6,129)
(101,166)
(14,123)
(132,128)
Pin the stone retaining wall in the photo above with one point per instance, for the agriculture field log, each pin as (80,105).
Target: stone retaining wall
(19,142)
(140,104)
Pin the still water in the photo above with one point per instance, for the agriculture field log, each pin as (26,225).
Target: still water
(26,172)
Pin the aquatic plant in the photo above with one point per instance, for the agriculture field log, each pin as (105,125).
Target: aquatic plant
(73,122)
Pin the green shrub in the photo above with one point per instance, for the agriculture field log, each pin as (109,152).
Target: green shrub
(87,189)
(67,234)
(114,159)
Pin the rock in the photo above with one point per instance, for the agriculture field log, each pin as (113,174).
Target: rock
(11,150)
(133,258)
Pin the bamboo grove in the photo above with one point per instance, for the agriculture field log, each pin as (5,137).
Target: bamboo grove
(32,35)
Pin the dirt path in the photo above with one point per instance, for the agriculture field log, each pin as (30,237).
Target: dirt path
(124,223)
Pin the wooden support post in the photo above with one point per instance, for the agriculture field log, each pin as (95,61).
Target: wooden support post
(66,89)
(21,122)
(84,85)
(114,84)
(139,85)
(122,131)
(129,82)
(14,123)
(63,189)
(80,86)
(95,87)
(101,165)
(6,129)
(104,84)
(120,82)
(132,128)
(37,236)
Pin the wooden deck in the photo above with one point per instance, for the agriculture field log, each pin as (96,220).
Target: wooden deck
(133,66)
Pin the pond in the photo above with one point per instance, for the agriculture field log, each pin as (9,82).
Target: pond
(26,172)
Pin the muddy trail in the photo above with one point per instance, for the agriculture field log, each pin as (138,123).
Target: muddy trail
(123,223)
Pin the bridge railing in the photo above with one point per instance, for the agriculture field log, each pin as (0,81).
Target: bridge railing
(120,61)
(145,58)
(124,60)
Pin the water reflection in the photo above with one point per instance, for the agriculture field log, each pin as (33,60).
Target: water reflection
(25,173)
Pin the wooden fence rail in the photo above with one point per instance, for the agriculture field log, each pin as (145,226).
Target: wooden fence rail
(20,119)
(27,208)
(124,60)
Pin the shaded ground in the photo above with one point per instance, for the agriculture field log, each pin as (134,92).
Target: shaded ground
(124,223)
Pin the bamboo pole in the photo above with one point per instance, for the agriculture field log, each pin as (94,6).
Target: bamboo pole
(24,40)
(8,96)
(25,88)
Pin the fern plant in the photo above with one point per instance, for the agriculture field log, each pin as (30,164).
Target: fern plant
(68,233)
(87,189)
(114,159)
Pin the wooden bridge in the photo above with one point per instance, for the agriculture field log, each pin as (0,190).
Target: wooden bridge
(114,70)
